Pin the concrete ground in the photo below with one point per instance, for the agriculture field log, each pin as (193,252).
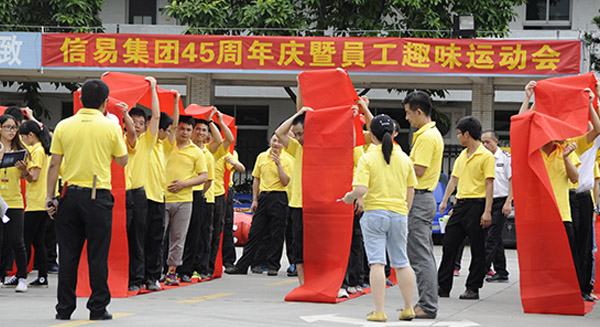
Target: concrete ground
(257,300)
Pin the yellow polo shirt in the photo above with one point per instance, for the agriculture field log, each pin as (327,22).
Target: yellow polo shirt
(35,193)
(266,169)
(427,151)
(183,164)
(387,184)
(88,141)
(555,166)
(209,195)
(296,150)
(10,188)
(219,182)
(156,180)
(472,172)
(136,171)
(357,153)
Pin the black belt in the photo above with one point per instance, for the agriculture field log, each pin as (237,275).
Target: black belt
(423,191)
(78,188)
(468,200)
(272,192)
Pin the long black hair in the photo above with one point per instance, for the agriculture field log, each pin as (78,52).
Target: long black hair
(42,133)
(16,141)
(382,126)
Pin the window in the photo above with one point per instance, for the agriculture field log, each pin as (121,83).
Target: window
(548,14)
(502,125)
(142,12)
(66,110)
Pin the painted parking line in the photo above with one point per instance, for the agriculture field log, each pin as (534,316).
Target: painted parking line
(207,297)
(87,322)
(289,281)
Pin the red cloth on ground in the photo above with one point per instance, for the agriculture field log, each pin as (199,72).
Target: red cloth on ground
(547,273)
(326,176)
(564,99)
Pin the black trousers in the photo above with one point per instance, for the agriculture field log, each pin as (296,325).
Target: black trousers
(14,241)
(153,251)
(35,234)
(465,221)
(267,231)
(583,227)
(298,231)
(208,212)
(228,244)
(51,245)
(137,214)
(193,237)
(354,272)
(494,245)
(289,238)
(80,218)
(217,228)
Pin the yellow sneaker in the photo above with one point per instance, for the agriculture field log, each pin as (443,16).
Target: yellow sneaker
(377,316)
(407,314)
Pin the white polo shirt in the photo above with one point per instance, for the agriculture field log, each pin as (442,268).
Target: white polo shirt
(503,173)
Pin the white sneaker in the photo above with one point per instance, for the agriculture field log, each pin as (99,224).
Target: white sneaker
(342,293)
(22,286)
(352,290)
(359,289)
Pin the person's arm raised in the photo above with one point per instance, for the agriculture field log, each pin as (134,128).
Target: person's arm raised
(128,121)
(284,128)
(175,117)
(528,93)
(591,135)
(155,119)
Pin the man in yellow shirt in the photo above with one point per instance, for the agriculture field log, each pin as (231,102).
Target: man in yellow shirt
(136,172)
(87,143)
(294,146)
(473,173)
(426,154)
(155,192)
(271,174)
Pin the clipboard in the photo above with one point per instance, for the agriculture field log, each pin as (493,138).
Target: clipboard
(10,158)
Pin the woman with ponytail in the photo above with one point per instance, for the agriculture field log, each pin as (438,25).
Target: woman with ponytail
(10,190)
(388,176)
(37,139)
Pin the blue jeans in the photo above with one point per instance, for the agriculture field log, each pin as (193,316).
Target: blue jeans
(385,229)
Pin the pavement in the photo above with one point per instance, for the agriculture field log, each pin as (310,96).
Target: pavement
(257,300)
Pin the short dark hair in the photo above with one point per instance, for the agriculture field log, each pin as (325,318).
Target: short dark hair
(470,124)
(135,111)
(202,121)
(299,120)
(15,112)
(494,134)
(165,121)
(418,100)
(188,120)
(93,93)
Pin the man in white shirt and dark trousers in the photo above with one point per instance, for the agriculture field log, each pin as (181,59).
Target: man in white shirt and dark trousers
(501,207)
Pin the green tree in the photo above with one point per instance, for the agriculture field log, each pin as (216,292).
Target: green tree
(403,18)
(592,40)
(56,16)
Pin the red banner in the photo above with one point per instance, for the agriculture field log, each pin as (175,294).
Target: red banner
(357,54)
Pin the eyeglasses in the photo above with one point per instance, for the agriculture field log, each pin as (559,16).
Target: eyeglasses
(9,128)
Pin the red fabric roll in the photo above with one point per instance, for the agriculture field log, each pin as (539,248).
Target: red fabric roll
(547,274)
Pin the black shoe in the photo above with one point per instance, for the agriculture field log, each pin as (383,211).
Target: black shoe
(442,293)
(236,271)
(469,295)
(53,269)
(497,279)
(61,317)
(134,288)
(257,270)
(587,297)
(273,272)
(103,316)
(291,268)
(186,279)
(39,282)
(293,273)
